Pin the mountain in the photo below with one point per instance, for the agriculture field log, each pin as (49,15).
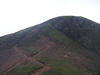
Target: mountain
(65,45)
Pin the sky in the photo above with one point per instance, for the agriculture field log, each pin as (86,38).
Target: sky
(19,14)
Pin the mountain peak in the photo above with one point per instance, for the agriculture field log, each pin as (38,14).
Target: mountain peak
(62,45)
(81,29)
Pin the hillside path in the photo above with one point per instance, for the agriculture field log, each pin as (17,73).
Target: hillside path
(33,60)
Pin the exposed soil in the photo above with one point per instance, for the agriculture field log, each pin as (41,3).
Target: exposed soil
(46,44)
(40,71)
(33,60)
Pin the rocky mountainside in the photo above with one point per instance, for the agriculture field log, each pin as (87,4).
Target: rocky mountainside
(65,45)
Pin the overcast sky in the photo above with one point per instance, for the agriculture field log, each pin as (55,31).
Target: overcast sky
(19,14)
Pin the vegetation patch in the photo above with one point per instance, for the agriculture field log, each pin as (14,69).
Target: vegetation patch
(59,68)
(56,36)
(59,38)
(24,70)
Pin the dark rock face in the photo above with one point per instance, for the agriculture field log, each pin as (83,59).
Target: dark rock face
(83,30)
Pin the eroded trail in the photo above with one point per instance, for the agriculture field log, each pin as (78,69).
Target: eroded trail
(45,45)
(40,71)
(34,61)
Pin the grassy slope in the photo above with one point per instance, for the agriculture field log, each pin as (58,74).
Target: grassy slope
(81,59)
(59,38)
(58,66)
(24,70)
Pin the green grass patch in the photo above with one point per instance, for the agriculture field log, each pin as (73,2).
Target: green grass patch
(59,68)
(59,37)
(24,70)
(55,35)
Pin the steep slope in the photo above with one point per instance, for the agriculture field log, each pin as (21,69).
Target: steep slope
(60,46)
(83,30)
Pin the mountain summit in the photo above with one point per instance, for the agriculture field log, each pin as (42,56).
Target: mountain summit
(65,45)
